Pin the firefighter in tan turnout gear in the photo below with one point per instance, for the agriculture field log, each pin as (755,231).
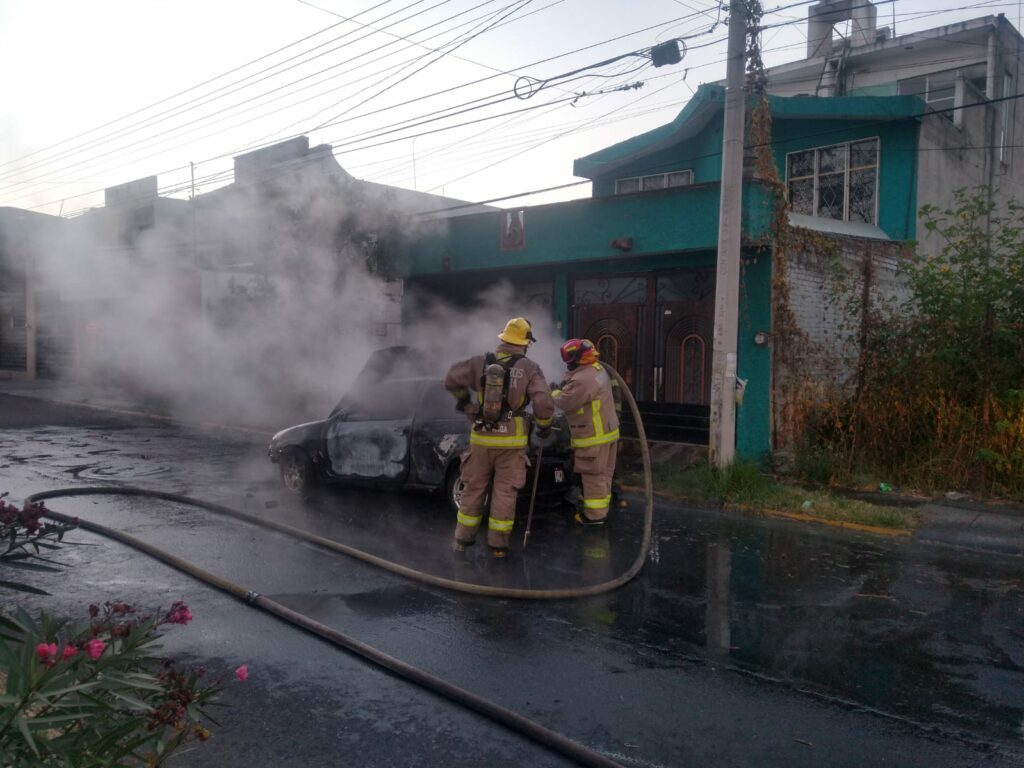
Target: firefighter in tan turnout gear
(586,397)
(505,382)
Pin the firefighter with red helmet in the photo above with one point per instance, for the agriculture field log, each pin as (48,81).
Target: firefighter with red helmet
(504,383)
(588,401)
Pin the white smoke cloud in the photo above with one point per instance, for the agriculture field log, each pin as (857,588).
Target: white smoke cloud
(263,309)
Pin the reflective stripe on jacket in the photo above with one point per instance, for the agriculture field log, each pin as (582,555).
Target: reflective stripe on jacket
(526,385)
(586,397)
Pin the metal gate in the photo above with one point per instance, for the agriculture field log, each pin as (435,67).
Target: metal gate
(655,328)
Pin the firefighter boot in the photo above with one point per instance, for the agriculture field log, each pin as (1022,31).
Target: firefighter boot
(585,521)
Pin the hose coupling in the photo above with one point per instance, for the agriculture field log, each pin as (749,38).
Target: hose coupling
(252,596)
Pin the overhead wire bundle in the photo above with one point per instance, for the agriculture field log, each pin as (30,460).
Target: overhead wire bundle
(92,153)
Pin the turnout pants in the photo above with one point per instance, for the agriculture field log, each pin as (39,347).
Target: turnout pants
(596,467)
(504,469)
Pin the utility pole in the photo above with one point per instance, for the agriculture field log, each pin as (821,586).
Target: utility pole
(730,222)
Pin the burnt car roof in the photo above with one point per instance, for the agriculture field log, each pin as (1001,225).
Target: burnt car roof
(399,362)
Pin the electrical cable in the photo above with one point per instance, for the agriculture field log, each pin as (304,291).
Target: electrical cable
(412,42)
(789,140)
(205,119)
(514,7)
(785,6)
(181,107)
(495,138)
(83,194)
(189,89)
(150,121)
(707,155)
(393,106)
(544,141)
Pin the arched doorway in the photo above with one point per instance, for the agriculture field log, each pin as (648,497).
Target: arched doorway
(688,361)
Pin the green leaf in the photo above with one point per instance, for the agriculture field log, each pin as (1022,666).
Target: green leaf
(79,687)
(27,733)
(132,701)
(48,721)
(18,587)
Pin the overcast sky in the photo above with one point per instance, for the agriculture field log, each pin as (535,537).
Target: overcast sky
(95,94)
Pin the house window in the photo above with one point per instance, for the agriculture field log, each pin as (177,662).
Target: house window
(938,89)
(835,182)
(653,182)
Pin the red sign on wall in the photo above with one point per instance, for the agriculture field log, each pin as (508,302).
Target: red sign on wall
(513,230)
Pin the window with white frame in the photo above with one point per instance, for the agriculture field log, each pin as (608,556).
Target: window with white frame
(938,89)
(653,181)
(835,182)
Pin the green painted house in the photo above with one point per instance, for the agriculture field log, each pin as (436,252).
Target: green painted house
(633,267)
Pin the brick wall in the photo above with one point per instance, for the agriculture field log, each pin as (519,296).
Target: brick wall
(826,291)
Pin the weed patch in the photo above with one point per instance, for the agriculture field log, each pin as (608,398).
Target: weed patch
(744,486)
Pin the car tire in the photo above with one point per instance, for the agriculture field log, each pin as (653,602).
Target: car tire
(453,487)
(297,471)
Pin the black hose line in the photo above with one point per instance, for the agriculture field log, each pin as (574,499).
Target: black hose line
(503,716)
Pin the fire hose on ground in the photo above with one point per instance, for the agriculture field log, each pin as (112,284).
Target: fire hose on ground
(501,715)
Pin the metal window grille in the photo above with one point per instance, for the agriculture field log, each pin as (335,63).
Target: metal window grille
(839,181)
(653,181)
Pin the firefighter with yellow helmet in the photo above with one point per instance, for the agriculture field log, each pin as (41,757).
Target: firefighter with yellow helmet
(505,382)
(588,401)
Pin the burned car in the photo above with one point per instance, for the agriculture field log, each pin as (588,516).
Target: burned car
(395,431)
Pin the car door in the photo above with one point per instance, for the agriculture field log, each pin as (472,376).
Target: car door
(368,438)
(440,433)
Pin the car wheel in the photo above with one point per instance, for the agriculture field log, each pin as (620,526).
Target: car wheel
(454,488)
(296,471)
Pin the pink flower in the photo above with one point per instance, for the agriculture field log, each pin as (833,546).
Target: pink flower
(69,651)
(94,648)
(242,673)
(179,613)
(47,653)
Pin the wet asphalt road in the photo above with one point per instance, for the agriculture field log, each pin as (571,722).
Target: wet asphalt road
(743,643)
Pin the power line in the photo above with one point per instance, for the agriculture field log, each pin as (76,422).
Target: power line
(440,92)
(189,89)
(772,143)
(93,159)
(147,121)
(181,110)
(392,106)
(516,7)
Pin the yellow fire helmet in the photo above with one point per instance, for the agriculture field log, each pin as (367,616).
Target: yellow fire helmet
(518,331)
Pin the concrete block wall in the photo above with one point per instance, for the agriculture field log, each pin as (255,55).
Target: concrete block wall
(818,363)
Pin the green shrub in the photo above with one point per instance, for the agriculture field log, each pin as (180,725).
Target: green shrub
(96,693)
(24,535)
(817,465)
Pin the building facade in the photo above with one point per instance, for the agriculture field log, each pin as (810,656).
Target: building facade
(856,155)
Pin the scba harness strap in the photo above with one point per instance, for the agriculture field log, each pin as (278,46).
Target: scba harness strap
(494,406)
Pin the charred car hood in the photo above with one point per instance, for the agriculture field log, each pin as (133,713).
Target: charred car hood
(297,435)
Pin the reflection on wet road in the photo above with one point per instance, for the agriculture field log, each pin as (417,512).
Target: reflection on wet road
(919,634)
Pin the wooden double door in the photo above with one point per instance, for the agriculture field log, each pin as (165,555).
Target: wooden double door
(655,328)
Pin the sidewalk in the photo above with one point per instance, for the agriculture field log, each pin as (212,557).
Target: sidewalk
(997,528)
